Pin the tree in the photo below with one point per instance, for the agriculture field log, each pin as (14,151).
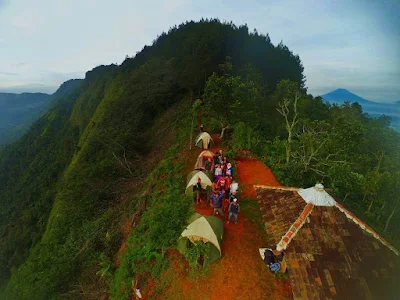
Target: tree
(230,99)
(310,151)
(344,181)
(195,109)
(288,94)
(373,181)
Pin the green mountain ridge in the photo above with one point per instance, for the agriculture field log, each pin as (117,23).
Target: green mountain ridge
(57,182)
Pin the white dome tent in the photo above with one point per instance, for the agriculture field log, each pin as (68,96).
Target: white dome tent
(204,140)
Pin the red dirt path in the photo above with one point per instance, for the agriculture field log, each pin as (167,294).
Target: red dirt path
(251,171)
(240,273)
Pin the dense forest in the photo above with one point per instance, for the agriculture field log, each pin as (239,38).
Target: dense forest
(109,151)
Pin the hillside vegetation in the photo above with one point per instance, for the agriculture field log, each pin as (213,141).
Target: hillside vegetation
(111,153)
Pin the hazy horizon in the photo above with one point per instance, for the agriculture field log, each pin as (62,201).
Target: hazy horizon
(354,46)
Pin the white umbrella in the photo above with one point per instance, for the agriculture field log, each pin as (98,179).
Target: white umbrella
(317,196)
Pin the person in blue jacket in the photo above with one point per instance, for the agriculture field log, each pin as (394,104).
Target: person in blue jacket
(234,210)
(217,203)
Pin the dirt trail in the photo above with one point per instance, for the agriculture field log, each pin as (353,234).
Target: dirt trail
(240,273)
(251,171)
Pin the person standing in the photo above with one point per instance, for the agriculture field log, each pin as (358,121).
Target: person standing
(233,196)
(234,210)
(217,172)
(201,127)
(218,204)
(221,183)
(216,158)
(198,190)
(229,170)
(208,164)
(223,167)
(234,186)
(213,198)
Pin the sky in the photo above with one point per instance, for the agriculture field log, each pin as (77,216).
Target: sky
(351,44)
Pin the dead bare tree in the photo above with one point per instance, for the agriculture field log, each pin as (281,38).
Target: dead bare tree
(121,160)
(284,108)
(310,152)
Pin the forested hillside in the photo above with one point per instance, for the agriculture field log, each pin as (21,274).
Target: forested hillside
(19,111)
(110,152)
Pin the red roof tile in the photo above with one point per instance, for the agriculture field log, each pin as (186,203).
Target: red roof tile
(331,257)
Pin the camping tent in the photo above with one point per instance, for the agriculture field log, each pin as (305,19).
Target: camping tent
(204,140)
(203,156)
(206,180)
(208,229)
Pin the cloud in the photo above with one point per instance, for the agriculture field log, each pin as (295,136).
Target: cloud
(20,64)
(8,73)
(30,88)
(27,22)
(60,76)
(342,44)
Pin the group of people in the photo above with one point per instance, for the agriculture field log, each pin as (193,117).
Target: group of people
(223,196)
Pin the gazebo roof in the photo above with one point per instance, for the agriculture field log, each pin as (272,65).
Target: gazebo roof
(329,251)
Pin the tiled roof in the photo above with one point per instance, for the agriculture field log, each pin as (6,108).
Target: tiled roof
(296,226)
(331,256)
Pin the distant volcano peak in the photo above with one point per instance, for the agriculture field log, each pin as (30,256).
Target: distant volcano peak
(342,95)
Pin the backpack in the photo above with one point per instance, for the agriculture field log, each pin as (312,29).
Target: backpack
(275,267)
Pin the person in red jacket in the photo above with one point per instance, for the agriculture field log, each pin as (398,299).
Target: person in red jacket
(221,183)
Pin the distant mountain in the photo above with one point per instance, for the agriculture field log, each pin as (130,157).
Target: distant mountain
(19,111)
(374,109)
(340,96)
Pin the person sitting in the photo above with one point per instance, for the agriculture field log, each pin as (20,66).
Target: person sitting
(273,259)
(269,257)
